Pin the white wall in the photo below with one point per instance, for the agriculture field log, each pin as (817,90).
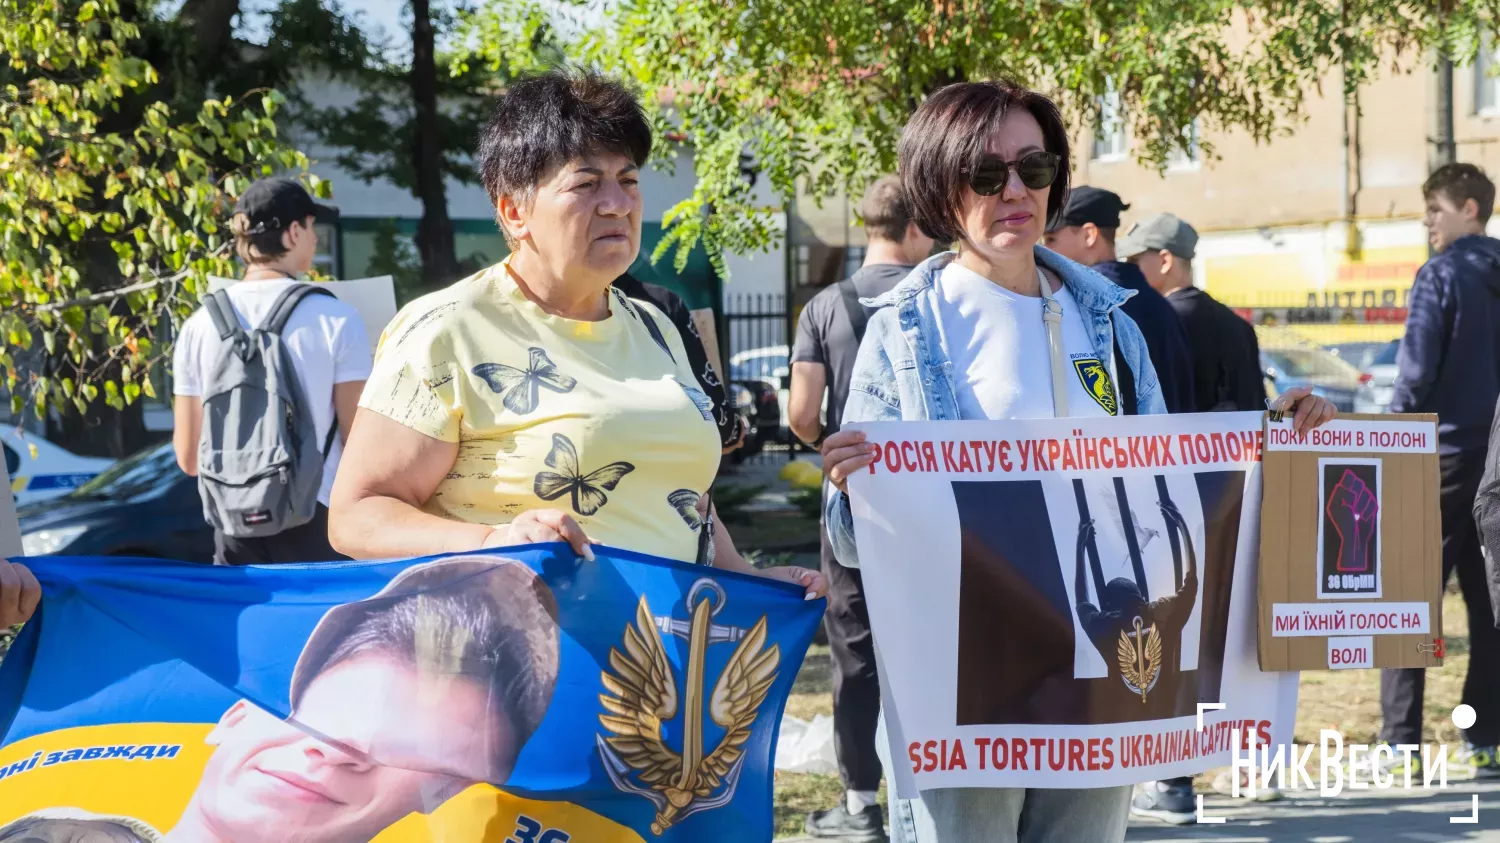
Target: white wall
(661,188)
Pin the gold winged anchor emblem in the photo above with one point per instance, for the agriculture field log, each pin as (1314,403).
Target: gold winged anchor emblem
(642,694)
(1140,658)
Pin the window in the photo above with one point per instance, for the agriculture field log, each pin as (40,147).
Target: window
(854,258)
(1110,141)
(326,260)
(1485,99)
(1186,159)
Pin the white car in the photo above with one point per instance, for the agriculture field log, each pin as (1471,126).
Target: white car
(771,365)
(1379,381)
(40,470)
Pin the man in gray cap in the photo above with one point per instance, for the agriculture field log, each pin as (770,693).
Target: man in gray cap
(1086,233)
(1226,354)
(1226,376)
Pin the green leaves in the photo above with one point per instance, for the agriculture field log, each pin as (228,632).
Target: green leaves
(111,199)
(815,94)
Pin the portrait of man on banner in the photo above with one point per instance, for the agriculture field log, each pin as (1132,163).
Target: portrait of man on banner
(398,702)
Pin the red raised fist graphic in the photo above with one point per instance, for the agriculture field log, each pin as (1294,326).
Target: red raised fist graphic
(1352,508)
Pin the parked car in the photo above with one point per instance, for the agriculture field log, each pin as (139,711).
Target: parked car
(1380,384)
(142,505)
(757,399)
(40,470)
(770,366)
(1357,354)
(1330,377)
(747,407)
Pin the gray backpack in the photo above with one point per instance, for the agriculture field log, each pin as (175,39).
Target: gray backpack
(259,464)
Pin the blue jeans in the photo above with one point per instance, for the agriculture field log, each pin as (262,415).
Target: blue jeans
(1006,815)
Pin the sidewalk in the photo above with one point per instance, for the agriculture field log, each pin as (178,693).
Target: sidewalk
(1399,816)
(1391,815)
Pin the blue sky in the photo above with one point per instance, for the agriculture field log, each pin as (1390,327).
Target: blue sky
(389,16)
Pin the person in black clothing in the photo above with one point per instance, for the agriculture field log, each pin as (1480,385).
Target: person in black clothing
(1226,355)
(731,426)
(1086,233)
(828,336)
(1123,610)
(1449,364)
(1226,376)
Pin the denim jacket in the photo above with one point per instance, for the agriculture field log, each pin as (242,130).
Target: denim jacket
(904,372)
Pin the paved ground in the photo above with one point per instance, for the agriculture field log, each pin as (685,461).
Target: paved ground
(1415,816)
(1394,815)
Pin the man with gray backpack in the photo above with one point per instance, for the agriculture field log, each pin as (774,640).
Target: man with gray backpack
(267,376)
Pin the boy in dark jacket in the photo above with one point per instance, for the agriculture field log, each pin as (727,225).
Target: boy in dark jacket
(1449,364)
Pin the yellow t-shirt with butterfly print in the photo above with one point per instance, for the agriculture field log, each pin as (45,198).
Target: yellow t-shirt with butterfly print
(597,419)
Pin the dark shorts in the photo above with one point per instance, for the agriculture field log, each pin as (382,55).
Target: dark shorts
(307,543)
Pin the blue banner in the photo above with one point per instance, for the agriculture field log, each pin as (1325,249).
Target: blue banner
(518,695)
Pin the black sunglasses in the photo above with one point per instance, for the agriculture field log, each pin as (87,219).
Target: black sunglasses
(1036,169)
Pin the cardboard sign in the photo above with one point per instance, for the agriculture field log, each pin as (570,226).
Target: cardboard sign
(1351,545)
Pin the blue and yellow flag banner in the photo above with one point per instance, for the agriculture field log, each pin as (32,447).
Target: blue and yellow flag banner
(517,695)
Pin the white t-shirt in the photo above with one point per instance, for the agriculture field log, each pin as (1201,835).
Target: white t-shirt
(324,336)
(1001,360)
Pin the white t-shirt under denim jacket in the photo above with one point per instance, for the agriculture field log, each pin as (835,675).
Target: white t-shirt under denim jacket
(991,345)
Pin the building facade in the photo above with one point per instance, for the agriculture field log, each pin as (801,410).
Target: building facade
(1316,234)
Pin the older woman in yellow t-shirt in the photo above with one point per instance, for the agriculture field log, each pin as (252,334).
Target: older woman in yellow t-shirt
(532,402)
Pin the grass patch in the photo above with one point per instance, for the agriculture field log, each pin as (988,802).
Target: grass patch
(797,794)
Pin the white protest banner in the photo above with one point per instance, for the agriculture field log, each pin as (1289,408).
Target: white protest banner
(373,298)
(1053,599)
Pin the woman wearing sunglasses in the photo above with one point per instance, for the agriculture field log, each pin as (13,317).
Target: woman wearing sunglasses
(1001,328)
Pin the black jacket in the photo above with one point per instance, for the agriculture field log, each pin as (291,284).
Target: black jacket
(1449,361)
(1166,340)
(668,302)
(1226,355)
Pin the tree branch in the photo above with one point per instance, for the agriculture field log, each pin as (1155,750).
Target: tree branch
(120,292)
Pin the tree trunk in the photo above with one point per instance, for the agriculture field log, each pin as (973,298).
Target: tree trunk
(104,432)
(212,23)
(435,230)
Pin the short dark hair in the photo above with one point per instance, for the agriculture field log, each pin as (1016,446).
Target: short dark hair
(509,648)
(261,247)
(886,209)
(1460,183)
(547,120)
(948,136)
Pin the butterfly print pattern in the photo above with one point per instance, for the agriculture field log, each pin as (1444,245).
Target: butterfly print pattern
(700,400)
(520,389)
(586,491)
(685,501)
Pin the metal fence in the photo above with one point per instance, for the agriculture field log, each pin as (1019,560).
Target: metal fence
(757,333)
(755,321)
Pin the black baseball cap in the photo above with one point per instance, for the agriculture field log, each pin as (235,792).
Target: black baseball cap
(275,203)
(1092,204)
